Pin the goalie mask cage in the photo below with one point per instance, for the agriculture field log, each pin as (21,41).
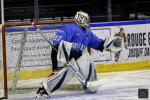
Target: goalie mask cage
(25,55)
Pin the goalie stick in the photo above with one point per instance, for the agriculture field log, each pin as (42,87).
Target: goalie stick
(38,30)
(87,86)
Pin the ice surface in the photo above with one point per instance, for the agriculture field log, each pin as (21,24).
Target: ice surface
(115,86)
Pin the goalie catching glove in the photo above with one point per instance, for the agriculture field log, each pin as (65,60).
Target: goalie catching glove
(113,44)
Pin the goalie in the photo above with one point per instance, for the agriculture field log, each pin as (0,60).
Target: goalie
(70,47)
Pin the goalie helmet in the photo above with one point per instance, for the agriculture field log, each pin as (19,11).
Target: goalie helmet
(82,19)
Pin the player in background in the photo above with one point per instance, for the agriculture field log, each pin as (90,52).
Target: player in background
(121,34)
(81,37)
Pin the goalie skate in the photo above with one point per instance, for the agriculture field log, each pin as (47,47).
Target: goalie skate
(41,93)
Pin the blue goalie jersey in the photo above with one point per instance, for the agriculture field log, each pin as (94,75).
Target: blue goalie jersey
(81,38)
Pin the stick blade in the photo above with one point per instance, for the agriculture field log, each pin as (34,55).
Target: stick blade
(93,86)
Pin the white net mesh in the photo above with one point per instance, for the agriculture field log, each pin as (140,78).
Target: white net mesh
(28,57)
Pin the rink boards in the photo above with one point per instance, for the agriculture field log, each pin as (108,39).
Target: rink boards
(136,57)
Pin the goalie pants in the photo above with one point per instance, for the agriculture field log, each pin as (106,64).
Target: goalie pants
(54,58)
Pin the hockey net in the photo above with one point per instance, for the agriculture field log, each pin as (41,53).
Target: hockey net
(1,69)
(28,54)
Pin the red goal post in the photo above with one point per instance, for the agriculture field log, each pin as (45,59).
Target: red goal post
(5,46)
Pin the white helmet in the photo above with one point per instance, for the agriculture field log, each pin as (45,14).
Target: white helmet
(82,19)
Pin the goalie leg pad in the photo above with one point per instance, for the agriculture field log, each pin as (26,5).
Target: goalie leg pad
(57,81)
(87,67)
